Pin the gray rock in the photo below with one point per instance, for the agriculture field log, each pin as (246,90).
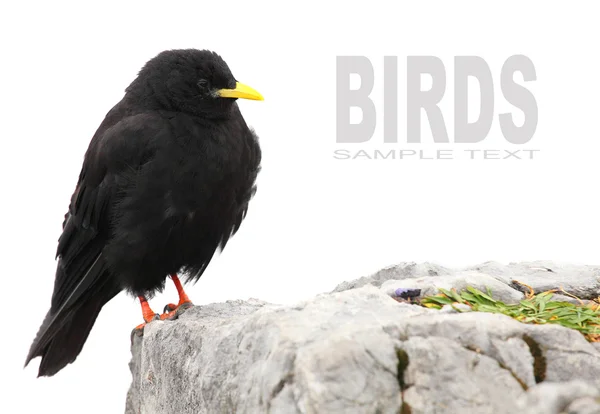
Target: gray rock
(576,397)
(397,272)
(564,298)
(355,351)
(581,281)
(584,405)
(450,378)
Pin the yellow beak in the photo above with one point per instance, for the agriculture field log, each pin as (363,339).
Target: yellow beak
(240,91)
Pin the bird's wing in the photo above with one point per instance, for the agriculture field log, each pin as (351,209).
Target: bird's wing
(82,280)
(113,157)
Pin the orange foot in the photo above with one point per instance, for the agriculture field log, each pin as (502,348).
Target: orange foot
(148,315)
(170,312)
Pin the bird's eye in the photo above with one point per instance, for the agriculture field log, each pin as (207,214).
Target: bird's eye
(202,84)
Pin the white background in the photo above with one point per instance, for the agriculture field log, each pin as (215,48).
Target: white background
(315,221)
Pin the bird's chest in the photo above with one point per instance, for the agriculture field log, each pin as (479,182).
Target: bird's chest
(207,177)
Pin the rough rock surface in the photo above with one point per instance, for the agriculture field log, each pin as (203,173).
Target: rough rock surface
(357,350)
(581,281)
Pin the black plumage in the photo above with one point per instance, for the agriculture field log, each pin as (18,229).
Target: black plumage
(165,182)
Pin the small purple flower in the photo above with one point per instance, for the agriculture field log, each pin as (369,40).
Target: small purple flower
(407,293)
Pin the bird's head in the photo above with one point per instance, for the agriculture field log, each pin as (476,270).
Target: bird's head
(189,80)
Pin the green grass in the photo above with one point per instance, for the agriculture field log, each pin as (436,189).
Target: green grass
(535,309)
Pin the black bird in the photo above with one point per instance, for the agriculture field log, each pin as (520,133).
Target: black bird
(165,182)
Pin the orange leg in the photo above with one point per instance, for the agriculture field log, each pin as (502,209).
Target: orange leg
(183,297)
(171,310)
(147,313)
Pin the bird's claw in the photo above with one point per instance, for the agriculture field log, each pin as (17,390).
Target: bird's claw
(139,330)
(172,312)
(169,307)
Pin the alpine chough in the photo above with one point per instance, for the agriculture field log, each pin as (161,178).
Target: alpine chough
(165,183)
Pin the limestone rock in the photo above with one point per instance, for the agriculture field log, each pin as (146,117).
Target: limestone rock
(357,350)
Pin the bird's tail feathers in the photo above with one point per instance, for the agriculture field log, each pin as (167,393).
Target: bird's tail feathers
(61,337)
